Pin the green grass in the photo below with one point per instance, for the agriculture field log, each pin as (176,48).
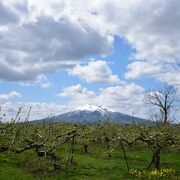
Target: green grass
(91,166)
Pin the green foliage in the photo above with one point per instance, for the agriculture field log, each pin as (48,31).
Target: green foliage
(49,149)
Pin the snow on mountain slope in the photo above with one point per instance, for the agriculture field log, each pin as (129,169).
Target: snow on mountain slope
(92,108)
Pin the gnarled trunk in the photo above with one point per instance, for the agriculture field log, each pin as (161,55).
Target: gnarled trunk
(157,158)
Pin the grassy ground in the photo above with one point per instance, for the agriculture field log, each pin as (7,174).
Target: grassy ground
(94,165)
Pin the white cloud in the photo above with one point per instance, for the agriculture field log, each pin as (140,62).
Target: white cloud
(7,15)
(8,96)
(60,33)
(41,81)
(138,69)
(152,27)
(171,75)
(77,92)
(45,85)
(39,110)
(47,40)
(95,72)
(167,73)
(126,98)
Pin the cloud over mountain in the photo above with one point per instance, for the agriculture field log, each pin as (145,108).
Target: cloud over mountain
(95,72)
(119,98)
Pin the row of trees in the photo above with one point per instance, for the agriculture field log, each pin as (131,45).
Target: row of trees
(45,140)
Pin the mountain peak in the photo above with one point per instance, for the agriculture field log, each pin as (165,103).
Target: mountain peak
(92,114)
(92,108)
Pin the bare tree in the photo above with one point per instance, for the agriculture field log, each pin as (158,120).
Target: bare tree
(163,99)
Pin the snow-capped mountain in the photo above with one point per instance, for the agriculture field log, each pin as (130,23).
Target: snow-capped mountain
(92,108)
(91,114)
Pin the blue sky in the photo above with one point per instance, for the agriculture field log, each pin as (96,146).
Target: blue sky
(56,56)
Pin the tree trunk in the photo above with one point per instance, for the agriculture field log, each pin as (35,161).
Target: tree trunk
(124,152)
(86,148)
(55,162)
(72,148)
(108,147)
(157,157)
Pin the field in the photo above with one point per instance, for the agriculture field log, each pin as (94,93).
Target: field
(99,162)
